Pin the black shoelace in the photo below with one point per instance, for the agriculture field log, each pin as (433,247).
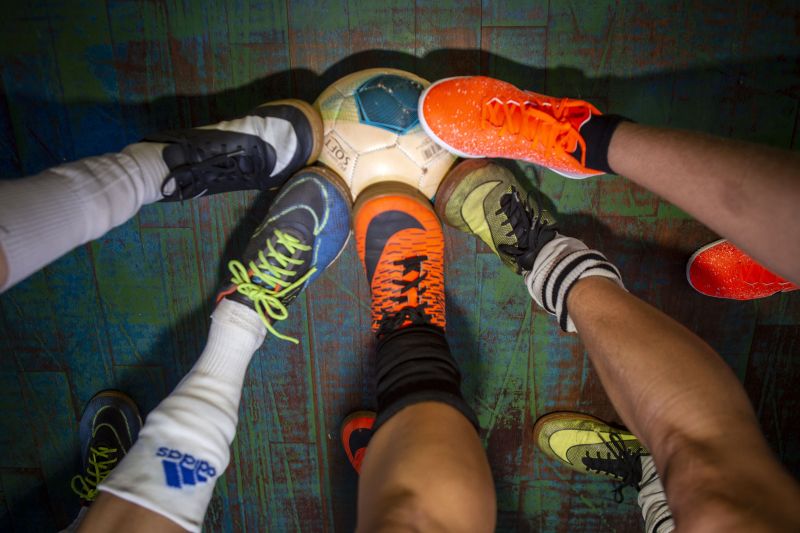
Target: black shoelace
(532,232)
(195,177)
(620,462)
(417,315)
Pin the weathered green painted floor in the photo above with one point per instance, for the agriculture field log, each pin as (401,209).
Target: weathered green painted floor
(130,310)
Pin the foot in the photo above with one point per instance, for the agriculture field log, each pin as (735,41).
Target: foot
(588,445)
(109,426)
(304,232)
(485,199)
(259,151)
(355,433)
(721,270)
(475,116)
(401,246)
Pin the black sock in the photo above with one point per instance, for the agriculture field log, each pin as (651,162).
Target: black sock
(414,365)
(597,134)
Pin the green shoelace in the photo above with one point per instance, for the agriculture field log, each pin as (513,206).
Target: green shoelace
(267,301)
(101,462)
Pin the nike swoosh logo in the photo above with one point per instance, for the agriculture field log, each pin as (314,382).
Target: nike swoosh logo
(380,230)
(474,213)
(561,441)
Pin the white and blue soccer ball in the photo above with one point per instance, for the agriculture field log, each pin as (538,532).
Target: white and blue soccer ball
(372,132)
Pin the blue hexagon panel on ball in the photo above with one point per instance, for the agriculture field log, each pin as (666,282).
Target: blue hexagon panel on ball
(389,102)
(372,132)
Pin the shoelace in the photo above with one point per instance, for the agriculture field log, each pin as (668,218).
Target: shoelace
(101,462)
(563,106)
(531,123)
(415,314)
(532,233)
(627,464)
(266,296)
(225,166)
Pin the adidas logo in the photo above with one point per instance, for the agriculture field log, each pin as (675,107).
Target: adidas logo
(182,469)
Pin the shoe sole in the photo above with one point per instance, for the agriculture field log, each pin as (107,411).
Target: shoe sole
(389,188)
(314,120)
(451,181)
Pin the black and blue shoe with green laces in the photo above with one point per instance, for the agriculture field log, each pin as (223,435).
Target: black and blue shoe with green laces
(305,230)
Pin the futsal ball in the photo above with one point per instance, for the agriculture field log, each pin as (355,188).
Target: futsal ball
(372,132)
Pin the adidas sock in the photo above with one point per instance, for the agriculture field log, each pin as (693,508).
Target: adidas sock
(560,263)
(42,217)
(653,500)
(414,365)
(183,447)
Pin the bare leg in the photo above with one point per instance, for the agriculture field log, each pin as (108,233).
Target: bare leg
(426,470)
(687,406)
(745,192)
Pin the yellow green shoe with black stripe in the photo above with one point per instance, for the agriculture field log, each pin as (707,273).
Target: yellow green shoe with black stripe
(587,444)
(484,198)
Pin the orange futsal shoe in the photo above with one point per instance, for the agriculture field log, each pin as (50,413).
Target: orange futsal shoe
(721,270)
(355,433)
(476,116)
(400,243)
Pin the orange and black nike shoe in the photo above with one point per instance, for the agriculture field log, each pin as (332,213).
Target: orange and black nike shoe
(400,243)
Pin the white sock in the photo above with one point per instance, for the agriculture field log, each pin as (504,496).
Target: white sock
(183,447)
(653,500)
(42,217)
(560,263)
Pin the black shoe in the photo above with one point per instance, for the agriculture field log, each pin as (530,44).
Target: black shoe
(303,233)
(109,426)
(258,151)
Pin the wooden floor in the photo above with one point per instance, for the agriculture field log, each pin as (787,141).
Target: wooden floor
(130,310)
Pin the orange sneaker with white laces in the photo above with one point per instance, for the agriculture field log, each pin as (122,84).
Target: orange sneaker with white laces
(399,240)
(476,116)
(722,270)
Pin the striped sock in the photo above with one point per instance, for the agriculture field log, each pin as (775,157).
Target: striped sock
(653,500)
(561,263)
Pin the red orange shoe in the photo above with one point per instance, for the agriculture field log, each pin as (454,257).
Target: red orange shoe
(721,270)
(476,116)
(356,431)
(400,243)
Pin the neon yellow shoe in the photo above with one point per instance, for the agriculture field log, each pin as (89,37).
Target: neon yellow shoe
(589,445)
(485,199)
